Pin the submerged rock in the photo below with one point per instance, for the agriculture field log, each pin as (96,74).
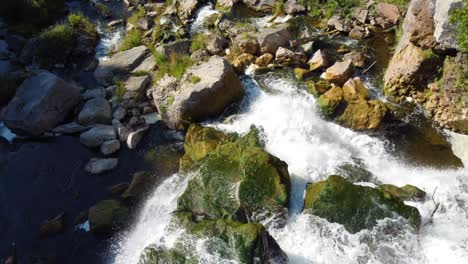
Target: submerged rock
(237,180)
(97,166)
(363,115)
(40,104)
(204,91)
(52,226)
(97,135)
(406,193)
(355,207)
(329,101)
(107,216)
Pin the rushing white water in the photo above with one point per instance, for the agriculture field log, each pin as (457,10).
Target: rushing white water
(200,17)
(313,148)
(109,39)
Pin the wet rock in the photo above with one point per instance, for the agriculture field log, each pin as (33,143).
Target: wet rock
(355,207)
(107,216)
(95,111)
(270,39)
(286,57)
(357,33)
(318,88)
(122,132)
(135,137)
(354,89)
(204,91)
(118,188)
(70,128)
(329,101)
(151,118)
(363,115)
(318,60)
(242,61)
(115,23)
(53,226)
(137,84)
(121,62)
(293,7)
(260,181)
(216,45)
(141,184)
(301,74)
(340,72)
(109,147)
(97,135)
(389,12)
(264,60)
(40,104)
(405,193)
(119,113)
(97,166)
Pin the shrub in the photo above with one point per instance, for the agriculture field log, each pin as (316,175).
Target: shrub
(326,8)
(119,90)
(198,42)
(55,45)
(134,38)
(30,16)
(175,65)
(459,18)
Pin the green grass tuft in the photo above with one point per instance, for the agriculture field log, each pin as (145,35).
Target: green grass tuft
(198,42)
(134,38)
(459,18)
(174,65)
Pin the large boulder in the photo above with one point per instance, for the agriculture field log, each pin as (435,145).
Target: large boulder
(355,207)
(239,242)
(40,104)
(389,12)
(181,46)
(270,39)
(121,62)
(204,91)
(286,57)
(97,135)
(237,180)
(363,115)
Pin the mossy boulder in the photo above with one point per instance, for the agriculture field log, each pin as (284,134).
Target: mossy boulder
(354,89)
(406,193)
(329,101)
(318,88)
(355,207)
(235,180)
(363,115)
(230,240)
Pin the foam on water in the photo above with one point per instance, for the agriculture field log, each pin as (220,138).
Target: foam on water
(314,148)
(108,40)
(200,17)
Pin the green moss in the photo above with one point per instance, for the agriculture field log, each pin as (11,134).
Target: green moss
(157,255)
(355,207)
(195,79)
(318,88)
(134,38)
(407,192)
(279,8)
(236,177)
(459,17)
(326,8)
(329,101)
(198,42)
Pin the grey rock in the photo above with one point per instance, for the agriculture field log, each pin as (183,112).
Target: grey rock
(40,104)
(135,137)
(151,118)
(95,111)
(109,147)
(97,135)
(217,86)
(97,166)
(270,39)
(94,93)
(121,62)
(216,45)
(147,65)
(181,46)
(137,83)
(120,113)
(286,57)
(70,128)
(293,7)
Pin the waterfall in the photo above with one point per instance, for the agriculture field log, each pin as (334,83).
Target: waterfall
(294,131)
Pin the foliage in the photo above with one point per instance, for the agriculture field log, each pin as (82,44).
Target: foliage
(459,17)
(175,65)
(140,13)
(119,90)
(30,16)
(198,42)
(326,8)
(279,8)
(134,38)
(195,79)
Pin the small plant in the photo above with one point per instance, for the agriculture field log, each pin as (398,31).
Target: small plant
(198,42)
(140,13)
(170,100)
(134,38)
(140,73)
(175,65)
(279,8)
(195,79)
(459,18)
(54,45)
(119,90)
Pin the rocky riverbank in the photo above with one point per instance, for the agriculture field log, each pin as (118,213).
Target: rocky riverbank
(99,128)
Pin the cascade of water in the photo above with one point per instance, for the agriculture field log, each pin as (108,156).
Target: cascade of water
(313,148)
(200,17)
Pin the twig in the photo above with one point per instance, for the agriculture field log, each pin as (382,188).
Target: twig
(436,206)
(368,68)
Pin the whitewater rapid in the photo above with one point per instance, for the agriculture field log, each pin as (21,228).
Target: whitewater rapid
(313,148)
